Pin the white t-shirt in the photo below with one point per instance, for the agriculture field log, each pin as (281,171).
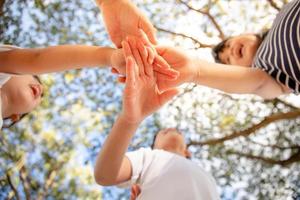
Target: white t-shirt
(4,77)
(167,176)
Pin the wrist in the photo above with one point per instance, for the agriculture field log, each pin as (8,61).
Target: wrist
(195,70)
(129,121)
(103,56)
(101,2)
(108,2)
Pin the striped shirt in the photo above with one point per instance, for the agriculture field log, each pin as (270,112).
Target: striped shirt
(279,53)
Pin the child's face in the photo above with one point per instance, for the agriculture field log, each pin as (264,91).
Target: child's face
(240,50)
(170,140)
(23,93)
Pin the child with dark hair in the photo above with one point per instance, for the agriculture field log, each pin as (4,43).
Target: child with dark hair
(272,67)
(19,95)
(162,172)
(245,44)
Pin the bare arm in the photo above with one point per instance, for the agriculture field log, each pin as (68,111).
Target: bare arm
(56,58)
(112,166)
(237,79)
(227,78)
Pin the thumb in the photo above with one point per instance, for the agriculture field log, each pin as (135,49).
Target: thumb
(168,95)
(150,31)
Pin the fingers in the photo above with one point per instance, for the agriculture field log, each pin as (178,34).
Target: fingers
(168,74)
(150,31)
(161,61)
(142,50)
(136,54)
(126,49)
(147,67)
(130,72)
(161,66)
(151,55)
(144,38)
(128,53)
(161,50)
(167,95)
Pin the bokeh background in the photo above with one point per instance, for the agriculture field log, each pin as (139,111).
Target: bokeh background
(250,145)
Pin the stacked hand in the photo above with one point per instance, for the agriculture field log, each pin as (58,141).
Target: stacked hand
(179,61)
(122,19)
(141,94)
(160,66)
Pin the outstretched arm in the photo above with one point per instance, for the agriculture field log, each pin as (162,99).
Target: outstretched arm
(227,78)
(58,58)
(237,79)
(112,167)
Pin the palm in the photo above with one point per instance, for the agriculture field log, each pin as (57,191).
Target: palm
(179,61)
(122,19)
(142,99)
(141,95)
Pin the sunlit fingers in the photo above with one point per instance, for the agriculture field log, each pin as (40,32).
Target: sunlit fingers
(128,53)
(134,49)
(130,72)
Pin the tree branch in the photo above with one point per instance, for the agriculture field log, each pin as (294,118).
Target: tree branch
(272,118)
(1,6)
(200,44)
(293,158)
(273,4)
(207,13)
(24,180)
(12,186)
(49,180)
(274,146)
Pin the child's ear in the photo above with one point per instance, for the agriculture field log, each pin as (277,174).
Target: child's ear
(187,153)
(15,117)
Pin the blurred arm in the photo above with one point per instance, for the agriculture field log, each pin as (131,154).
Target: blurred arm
(53,59)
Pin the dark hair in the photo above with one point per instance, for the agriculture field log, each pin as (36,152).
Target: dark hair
(220,47)
(262,35)
(7,122)
(217,49)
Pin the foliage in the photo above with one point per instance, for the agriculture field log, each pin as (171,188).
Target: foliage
(250,146)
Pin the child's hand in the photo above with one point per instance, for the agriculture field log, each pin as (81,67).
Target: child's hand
(179,61)
(160,66)
(141,96)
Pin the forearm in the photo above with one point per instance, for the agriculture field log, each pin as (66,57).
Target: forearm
(229,78)
(54,59)
(100,2)
(110,158)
